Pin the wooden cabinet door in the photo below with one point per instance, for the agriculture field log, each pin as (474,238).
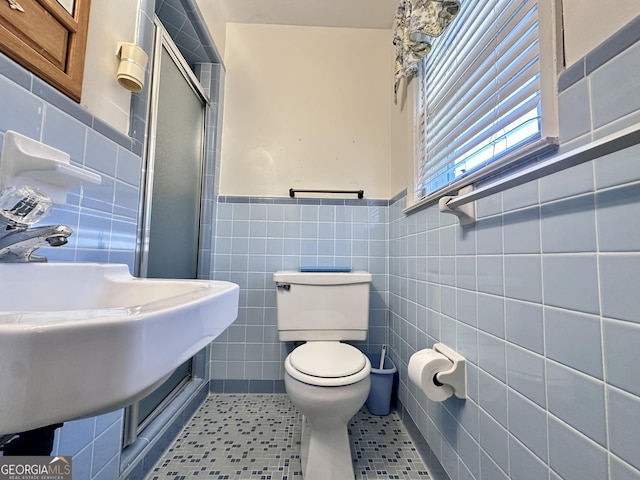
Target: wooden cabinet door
(46,39)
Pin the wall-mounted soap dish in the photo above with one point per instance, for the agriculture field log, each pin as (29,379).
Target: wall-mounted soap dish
(26,161)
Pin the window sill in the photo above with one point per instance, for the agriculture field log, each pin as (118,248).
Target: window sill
(618,141)
(540,147)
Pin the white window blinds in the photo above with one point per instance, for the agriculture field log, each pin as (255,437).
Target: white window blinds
(479,91)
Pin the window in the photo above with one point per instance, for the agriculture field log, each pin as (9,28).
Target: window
(480,99)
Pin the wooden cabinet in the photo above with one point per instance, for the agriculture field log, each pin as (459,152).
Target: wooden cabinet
(46,39)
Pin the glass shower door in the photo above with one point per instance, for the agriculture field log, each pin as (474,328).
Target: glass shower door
(177,177)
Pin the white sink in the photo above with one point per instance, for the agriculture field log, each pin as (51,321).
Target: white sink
(81,339)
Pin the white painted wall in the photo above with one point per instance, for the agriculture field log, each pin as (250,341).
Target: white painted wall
(402,141)
(587,23)
(333,94)
(308,108)
(110,22)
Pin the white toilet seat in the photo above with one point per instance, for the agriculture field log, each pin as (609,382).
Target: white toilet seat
(327,364)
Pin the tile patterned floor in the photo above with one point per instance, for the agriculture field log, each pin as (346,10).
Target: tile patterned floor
(258,437)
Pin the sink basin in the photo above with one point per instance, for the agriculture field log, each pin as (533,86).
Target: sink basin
(81,339)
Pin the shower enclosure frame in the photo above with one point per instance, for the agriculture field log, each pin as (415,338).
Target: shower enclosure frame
(132,425)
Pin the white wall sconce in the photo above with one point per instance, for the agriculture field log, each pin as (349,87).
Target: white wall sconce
(133,62)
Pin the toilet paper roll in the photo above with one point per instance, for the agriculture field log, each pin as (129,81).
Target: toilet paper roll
(423,367)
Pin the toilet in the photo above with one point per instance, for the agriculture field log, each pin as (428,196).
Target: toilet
(328,381)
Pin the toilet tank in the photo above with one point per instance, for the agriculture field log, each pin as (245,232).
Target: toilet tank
(322,305)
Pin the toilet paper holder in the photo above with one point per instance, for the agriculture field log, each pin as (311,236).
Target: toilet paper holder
(456,376)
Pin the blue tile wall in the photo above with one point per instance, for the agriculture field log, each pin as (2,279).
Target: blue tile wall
(103,219)
(541,297)
(258,236)
(182,20)
(617,43)
(609,104)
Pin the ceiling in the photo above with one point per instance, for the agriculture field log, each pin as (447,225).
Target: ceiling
(321,13)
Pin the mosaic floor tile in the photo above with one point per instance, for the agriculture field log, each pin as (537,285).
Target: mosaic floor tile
(245,437)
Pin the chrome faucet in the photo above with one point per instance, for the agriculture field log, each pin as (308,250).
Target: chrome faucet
(20,242)
(21,207)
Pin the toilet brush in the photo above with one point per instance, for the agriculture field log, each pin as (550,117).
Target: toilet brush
(382,355)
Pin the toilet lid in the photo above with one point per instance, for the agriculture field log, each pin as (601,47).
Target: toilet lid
(327,359)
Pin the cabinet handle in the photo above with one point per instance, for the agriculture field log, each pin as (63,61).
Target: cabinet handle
(15,5)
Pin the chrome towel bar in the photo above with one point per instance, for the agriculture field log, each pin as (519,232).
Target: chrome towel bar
(599,148)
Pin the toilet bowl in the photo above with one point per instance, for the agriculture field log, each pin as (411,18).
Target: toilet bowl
(328,382)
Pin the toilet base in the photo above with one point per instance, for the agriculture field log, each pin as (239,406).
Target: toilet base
(330,456)
(325,449)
